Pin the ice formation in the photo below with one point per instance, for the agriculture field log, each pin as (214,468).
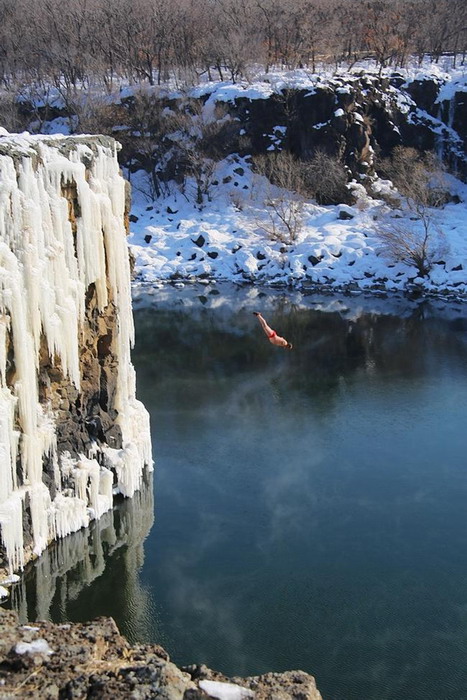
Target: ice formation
(47,264)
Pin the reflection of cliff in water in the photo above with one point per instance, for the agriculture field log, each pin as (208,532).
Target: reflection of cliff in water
(94,571)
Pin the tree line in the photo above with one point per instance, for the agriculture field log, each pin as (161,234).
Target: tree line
(102,42)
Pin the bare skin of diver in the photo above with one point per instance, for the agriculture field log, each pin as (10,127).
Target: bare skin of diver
(272,336)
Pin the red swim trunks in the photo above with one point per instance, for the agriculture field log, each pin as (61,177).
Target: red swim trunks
(272,335)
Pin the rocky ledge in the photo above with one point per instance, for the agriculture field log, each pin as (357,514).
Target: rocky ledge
(93,660)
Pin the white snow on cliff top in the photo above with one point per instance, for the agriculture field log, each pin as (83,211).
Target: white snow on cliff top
(261,84)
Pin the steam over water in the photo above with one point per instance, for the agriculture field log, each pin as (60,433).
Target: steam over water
(310,506)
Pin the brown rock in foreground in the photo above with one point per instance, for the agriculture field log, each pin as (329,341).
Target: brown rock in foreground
(93,660)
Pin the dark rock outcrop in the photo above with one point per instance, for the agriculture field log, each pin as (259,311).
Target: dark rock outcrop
(352,117)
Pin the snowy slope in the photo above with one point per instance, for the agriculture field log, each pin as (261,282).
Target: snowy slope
(172,239)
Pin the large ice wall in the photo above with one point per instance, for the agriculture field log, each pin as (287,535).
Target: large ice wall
(57,252)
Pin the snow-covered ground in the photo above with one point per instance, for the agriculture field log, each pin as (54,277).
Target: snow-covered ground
(337,246)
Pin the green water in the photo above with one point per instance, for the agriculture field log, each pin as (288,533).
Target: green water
(310,506)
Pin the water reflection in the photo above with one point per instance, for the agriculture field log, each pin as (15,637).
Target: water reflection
(334,339)
(311,505)
(95,570)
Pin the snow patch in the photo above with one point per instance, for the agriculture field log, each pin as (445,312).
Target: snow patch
(38,646)
(226,691)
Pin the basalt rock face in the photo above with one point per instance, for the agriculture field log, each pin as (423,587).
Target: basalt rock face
(72,433)
(344,119)
(355,117)
(437,120)
(93,660)
(358,118)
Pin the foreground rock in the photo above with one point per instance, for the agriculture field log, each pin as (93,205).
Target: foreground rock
(93,660)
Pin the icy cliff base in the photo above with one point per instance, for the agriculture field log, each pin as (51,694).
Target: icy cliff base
(71,430)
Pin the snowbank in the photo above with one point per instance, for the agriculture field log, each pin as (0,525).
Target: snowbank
(337,246)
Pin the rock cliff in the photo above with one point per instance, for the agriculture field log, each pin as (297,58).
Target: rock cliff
(72,433)
(356,116)
(93,660)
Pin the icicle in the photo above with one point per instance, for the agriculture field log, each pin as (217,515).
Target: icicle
(11,521)
(105,490)
(69,514)
(4,327)
(93,485)
(39,499)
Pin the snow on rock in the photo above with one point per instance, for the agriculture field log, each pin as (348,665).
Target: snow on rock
(225,691)
(38,646)
(53,250)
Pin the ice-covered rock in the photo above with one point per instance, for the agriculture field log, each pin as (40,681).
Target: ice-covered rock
(69,417)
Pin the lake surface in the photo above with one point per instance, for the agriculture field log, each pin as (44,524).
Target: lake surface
(310,505)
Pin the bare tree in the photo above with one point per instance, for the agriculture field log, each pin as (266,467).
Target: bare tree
(285,217)
(382,34)
(88,42)
(421,247)
(199,140)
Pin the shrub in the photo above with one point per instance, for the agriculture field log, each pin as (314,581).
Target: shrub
(415,239)
(285,219)
(421,247)
(419,177)
(283,170)
(284,207)
(325,178)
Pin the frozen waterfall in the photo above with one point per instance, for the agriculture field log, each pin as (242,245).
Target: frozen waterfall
(62,244)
